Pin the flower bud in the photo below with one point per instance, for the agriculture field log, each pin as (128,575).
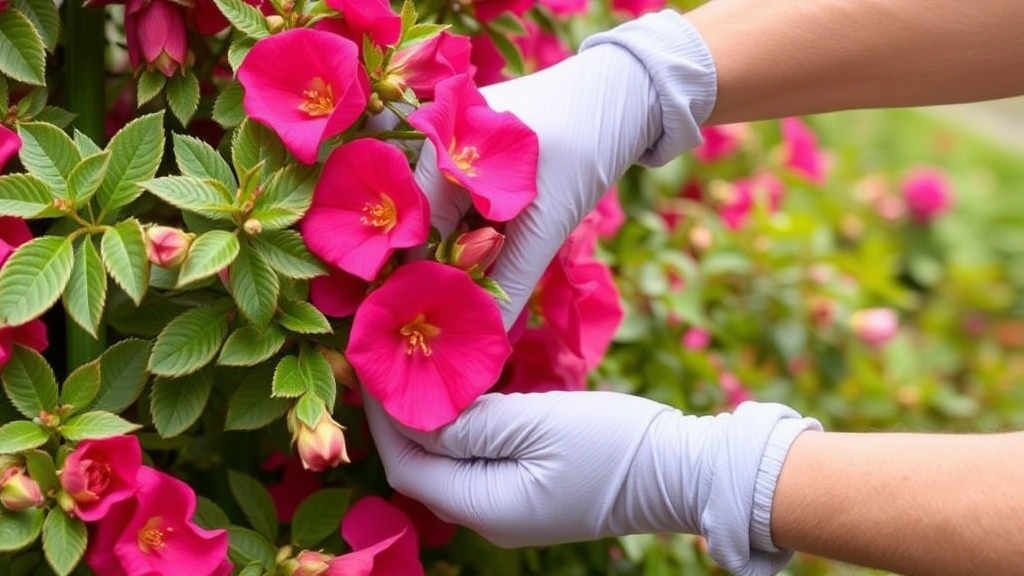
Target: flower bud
(927,194)
(696,339)
(19,492)
(308,563)
(321,447)
(344,374)
(253,226)
(156,35)
(476,250)
(167,246)
(875,326)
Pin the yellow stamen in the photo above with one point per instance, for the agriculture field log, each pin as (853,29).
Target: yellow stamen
(319,98)
(465,158)
(151,536)
(382,215)
(418,335)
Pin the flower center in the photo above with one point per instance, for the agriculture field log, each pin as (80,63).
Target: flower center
(151,536)
(318,98)
(465,158)
(382,215)
(97,477)
(418,334)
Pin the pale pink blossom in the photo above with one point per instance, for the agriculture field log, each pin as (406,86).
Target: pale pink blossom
(321,447)
(875,326)
(167,246)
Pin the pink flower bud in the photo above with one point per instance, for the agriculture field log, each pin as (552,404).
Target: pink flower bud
(19,492)
(9,466)
(927,194)
(155,31)
(309,563)
(322,447)
(696,339)
(875,326)
(166,246)
(476,250)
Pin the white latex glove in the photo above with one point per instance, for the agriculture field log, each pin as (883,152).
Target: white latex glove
(547,468)
(636,93)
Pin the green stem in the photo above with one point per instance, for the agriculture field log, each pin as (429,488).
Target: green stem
(84,74)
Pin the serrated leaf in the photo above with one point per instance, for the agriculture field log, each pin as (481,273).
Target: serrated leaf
(422,32)
(320,377)
(408,14)
(86,177)
(205,197)
(255,502)
(41,468)
(209,253)
(288,381)
(254,143)
(176,403)
(286,197)
(64,540)
(246,546)
(309,409)
(81,386)
(124,255)
(238,50)
(244,17)
(29,382)
(59,117)
(25,196)
(32,103)
(22,54)
(509,51)
(254,286)
(21,435)
(85,144)
(149,85)
(33,277)
(286,253)
(123,375)
(182,93)
(251,406)
(249,346)
(509,24)
(189,342)
(227,109)
(43,15)
(86,292)
(96,425)
(319,515)
(253,569)
(198,159)
(135,153)
(302,317)
(19,529)
(48,154)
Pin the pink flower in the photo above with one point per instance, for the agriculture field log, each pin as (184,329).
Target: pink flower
(307,85)
(382,537)
(541,362)
(565,7)
(487,10)
(491,154)
(720,141)
(296,484)
(19,492)
(801,150)
(432,531)
(422,66)
(487,60)
(373,18)
(476,250)
(13,233)
(10,144)
(540,49)
(745,194)
(637,7)
(875,326)
(153,534)
(927,193)
(167,246)
(610,216)
(365,206)
(338,294)
(101,473)
(156,35)
(427,343)
(321,447)
(735,392)
(696,339)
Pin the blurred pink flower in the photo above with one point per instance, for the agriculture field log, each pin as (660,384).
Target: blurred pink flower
(745,194)
(156,35)
(431,530)
(610,214)
(493,155)
(487,60)
(307,85)
(101,473)
(875,326)
(565,7)
(365,206)
(735,392)
(13,233)
(338,294)
(383,542)
(421,66)
(427,343)
(373,18)
(720,141)
(801,150)
(540,49)
(890,208)
(696,339)
(487,10)
(637,7)
(928,194)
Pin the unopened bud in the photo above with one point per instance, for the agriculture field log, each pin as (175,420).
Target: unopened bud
(321,447)
(275,23)
(167,246)
(390,88)
(309,563)
(253,226)
(19,492)
(344,374)
(375,105)
(476,250)
(9,466)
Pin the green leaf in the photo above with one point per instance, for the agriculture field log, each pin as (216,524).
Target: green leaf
(135,153)
(208,515)
(251,406)
(96,424)
(209,253)
(254,143)
(319,515)
(86,292)
(59,117)
(176,403)
(19,529)
(85,144)
(249,346)
(41,468)
(21,435)
(287,254)
(247,19)
(86,177)
(122,375)
(150,84)
(303,317)
(288,381)
(254,286)
(238,50)
(509,51)
(81,386)
(205,197)
(317,371)
(48,154)
(189,342)
(25,196)
(22,54)
(246,546)
(198,159)
(253,569)
(33,277)
(43,15)
(32,103)
(422,32)
(227,109)
(183,96)
(286,197)
(124,255)
(255,502)
(29,382)
(64,540)
(309,409)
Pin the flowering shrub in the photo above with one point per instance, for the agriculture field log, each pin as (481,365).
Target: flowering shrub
(217,201)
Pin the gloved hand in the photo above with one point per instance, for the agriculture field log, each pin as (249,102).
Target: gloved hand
(636,93)
(547,468)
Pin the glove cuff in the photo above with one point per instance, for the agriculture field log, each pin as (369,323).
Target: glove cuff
(680,66)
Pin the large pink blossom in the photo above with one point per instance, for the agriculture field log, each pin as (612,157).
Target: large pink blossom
(487,10)
(421,66)
(927,194)
(156,35)
(637,7)
(307,85)
(801,150)
(365,206)
(101,473)
(367,18)
(153,534)
(13,233)
(541,362)
(491,154)
(337,294)
(382,539)
(427,343)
